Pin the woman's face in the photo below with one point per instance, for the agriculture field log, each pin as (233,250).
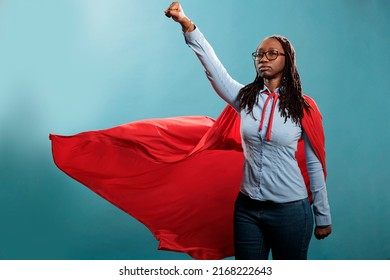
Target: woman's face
(266,68)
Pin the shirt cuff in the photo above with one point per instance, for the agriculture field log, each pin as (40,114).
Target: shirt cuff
(193,35)
(323,220)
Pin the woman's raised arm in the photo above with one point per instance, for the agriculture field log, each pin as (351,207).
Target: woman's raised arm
(226,87)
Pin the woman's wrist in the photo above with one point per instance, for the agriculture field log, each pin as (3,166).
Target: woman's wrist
(187,26)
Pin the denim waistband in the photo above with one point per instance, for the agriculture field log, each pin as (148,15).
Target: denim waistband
(268,203)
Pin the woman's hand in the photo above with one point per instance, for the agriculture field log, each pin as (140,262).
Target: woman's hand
(321,233)
(175,11)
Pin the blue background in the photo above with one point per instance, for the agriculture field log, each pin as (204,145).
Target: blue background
(68,66)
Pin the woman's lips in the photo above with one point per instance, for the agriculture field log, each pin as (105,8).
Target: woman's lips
(264,68)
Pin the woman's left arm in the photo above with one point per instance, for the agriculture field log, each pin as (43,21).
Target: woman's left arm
(321,207)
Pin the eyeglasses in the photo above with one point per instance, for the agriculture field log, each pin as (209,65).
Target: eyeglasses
(270,55)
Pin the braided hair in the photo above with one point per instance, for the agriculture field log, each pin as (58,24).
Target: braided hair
(291,98)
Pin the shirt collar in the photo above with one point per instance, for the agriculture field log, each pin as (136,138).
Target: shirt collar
(277,90)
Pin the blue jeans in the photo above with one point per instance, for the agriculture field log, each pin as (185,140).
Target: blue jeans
(285,229)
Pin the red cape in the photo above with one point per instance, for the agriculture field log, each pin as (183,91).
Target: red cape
(178,176)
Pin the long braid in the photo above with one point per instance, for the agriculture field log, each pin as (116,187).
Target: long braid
(291,98)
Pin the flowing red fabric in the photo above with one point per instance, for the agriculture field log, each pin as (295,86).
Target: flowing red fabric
(178,176)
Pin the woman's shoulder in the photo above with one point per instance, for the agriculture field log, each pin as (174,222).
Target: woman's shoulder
(310,103)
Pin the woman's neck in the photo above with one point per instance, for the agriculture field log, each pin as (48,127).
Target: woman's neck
(272,84)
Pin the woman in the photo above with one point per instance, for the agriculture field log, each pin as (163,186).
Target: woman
(180,176)
(272,211)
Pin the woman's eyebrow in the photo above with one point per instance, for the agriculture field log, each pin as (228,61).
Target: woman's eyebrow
(270,49)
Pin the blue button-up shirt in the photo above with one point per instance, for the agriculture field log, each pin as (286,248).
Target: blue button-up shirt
(271,172)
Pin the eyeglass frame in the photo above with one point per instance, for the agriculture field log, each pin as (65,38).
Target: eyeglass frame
(259,55)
